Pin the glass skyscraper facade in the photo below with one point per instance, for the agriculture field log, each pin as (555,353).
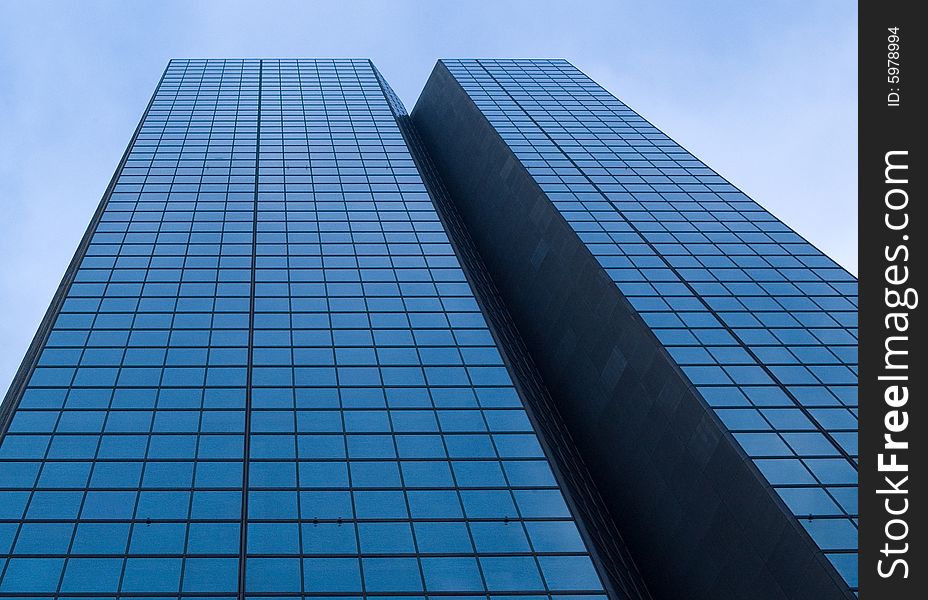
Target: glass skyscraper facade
(753,322)
(270,375)
(267,373)
(760,321)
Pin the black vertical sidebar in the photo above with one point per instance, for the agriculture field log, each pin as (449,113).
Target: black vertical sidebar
(893,364)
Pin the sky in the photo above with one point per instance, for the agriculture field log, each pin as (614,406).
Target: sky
(765,93)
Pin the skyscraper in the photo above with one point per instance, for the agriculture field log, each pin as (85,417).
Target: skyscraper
(517,344)
(701,352)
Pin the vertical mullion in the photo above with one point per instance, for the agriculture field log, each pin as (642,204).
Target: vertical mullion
(243,534)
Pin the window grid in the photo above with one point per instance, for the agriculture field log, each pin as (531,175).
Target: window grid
(269,267)
(761,322)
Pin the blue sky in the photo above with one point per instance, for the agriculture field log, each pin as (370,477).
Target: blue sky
(763,92)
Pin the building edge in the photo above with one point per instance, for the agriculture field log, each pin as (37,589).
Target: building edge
(24,372)
(615,563)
